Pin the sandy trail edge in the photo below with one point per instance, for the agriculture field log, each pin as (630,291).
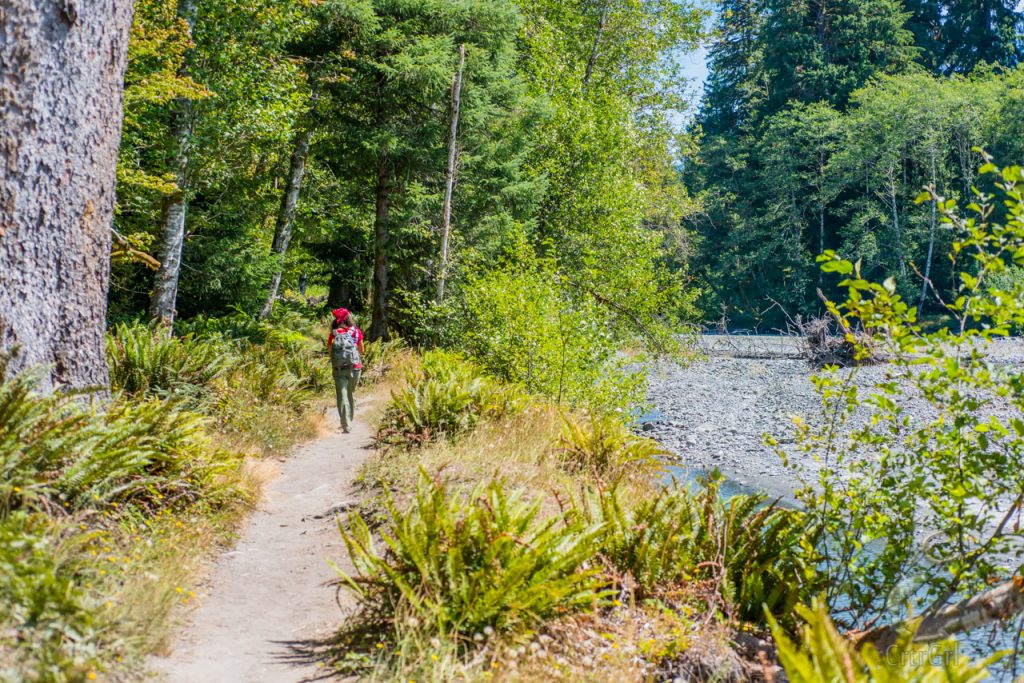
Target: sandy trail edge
(270,590)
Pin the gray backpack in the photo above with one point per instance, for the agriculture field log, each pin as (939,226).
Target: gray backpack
(344,352)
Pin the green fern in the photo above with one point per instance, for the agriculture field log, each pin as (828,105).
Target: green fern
(456,564)
(756,554)
(145,362)
(447,397)
(57,452)
(823,655)
(379,357)
(603,446)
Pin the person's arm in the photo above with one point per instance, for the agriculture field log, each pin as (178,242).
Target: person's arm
(359,345)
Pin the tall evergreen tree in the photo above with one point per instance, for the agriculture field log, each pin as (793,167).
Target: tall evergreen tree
(766,197)
(389,128)
(734,58)
(825,49)
(976,31)
(925,23)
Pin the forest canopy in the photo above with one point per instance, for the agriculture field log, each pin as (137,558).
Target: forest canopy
(286,145)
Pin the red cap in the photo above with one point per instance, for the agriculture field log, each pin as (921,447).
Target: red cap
(340,313)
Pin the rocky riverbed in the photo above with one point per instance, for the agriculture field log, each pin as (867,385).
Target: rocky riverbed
(715,412)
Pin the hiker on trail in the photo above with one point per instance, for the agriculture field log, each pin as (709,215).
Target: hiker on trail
(345,343)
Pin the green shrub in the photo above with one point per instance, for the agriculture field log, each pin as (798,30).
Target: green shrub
(311,368)
(823,655)
(531,329)
(456,564)
(145,362)
(266,375)
(254,391)
(286,328)
(756,554)
(603,446)
(446,397)
(379,357)
(55,451)
(48,630)
(934,447)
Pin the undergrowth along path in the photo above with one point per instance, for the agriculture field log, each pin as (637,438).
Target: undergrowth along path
(268,598)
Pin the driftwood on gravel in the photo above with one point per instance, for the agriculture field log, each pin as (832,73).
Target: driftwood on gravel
(823,344)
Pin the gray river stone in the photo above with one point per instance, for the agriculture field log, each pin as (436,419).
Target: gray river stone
(716,411)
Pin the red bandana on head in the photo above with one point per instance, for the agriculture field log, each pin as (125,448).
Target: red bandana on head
(340,313)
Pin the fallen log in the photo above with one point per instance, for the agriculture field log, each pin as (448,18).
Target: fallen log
(997,604)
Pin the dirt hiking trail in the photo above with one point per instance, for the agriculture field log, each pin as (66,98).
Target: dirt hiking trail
(270,591)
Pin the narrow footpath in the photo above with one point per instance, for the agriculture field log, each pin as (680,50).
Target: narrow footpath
(269,596)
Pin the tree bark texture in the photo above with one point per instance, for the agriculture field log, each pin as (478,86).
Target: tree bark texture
(286,213)
(381,239)
(172,225)
(62,66)
(449,186)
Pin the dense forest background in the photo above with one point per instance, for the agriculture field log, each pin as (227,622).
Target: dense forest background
(295,146)
(307,143)
(822,122)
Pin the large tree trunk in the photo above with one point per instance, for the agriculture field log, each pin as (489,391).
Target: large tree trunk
(172,225)
(62,68)
(449,185)
(286,214)
(381,237)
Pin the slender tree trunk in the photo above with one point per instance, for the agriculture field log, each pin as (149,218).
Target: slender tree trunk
(596,47)
(61,87)
(931,238)
(449,185)
(286,213)
(820,22)
(172,225)
(896,221)
(821,238)
(381,238)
